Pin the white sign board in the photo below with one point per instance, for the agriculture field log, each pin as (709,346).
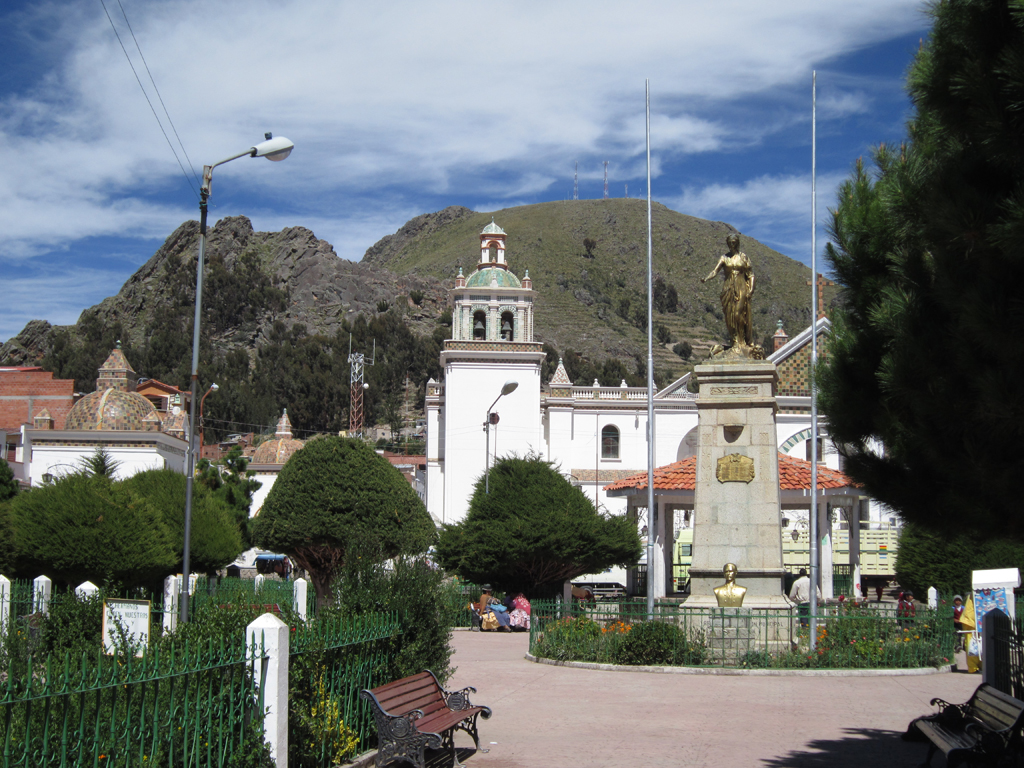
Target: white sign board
(126,620)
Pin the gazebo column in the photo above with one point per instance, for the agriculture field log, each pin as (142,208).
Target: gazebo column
(661,569)
(631,572)
(825,534)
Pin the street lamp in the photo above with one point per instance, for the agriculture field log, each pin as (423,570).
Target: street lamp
(272,149)
(213,388)
(508,387)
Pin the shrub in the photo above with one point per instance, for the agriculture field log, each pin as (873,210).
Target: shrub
(657,643)
(417,297)
(419,593)
(684,349)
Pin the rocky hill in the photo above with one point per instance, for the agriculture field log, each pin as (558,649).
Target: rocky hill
(268,294)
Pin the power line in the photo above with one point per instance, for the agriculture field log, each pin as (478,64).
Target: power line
(148,101)
(161,98)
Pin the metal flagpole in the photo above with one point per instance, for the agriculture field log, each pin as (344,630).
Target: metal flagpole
(652,515)
(815,543)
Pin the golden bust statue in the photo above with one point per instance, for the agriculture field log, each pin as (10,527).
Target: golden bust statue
(730,594)
(737,291)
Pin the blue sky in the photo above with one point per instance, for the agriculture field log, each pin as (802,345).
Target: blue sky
(401,108)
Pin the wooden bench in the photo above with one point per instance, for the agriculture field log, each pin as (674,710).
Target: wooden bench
(415,714)
(980,732)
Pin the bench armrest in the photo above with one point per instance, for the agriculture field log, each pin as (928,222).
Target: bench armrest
(458,700)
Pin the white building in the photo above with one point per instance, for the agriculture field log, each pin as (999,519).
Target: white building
(595,434)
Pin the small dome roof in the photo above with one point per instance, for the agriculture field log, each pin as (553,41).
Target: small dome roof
(482,278)
(492,229)
(281,448)
(113,410)
(276,451)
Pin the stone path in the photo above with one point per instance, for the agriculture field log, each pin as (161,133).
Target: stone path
(562,717)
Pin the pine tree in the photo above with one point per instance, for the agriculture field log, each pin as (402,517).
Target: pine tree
(923,388)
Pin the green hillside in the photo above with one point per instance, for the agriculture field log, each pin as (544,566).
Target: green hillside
(594,302)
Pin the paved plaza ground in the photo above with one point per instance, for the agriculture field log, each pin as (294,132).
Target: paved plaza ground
(563,717)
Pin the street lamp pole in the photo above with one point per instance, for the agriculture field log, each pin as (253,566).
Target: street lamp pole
(272,149)
(508,387)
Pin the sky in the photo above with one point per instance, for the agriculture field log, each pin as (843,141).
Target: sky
(403,108)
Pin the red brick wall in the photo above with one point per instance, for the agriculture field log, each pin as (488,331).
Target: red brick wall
(24,393)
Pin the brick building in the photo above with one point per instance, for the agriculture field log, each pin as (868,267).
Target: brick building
(25,391)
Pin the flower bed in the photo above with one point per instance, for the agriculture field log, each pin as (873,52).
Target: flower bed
(848,637)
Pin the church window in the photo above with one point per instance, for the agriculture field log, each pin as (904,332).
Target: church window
(610,442)
(492,253)
(507,326)
(479,325)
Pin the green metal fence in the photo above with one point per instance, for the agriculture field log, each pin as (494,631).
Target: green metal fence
(331,661)
(847,636)
(190,706)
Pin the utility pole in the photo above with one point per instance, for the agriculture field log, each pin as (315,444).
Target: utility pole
(356,385)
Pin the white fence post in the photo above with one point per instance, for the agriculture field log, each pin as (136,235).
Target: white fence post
(257,583)
(5,603)
(42,588)
(933,598)
(299,587)
(171,589)
(86,590)
(273,634)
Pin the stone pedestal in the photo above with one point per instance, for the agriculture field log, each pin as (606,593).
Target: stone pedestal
(732,633)
(737,506)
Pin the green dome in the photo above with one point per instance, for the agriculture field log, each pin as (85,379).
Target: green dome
(482,278)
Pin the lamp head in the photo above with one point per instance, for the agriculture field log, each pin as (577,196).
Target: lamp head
(214,387)
(272,149)
(509,387)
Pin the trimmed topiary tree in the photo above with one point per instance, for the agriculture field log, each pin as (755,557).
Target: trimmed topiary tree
(88,528)
(216,539)
(334,492)
(533,531)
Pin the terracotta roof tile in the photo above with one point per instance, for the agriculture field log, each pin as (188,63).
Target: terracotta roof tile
(794,475)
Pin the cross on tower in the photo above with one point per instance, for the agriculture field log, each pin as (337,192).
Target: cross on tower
(822,282)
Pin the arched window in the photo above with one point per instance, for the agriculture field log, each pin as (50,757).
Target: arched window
(610,442)
(492,253)
(507,326)
(480,325)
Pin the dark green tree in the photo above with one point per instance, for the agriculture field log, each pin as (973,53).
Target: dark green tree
(234,483)
(533,531)
(922,388)
(929,558)
(8,483)
(85,527)
(334,492)
(216,538)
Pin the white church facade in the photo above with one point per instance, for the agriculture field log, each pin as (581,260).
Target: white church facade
(596,435)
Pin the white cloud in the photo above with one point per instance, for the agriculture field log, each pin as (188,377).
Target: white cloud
(393,103)
(774,209)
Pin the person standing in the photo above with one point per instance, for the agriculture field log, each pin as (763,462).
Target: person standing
(800,593)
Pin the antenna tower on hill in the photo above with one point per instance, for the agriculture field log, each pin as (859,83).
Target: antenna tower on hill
(605,179)
(576,182)
(356,385)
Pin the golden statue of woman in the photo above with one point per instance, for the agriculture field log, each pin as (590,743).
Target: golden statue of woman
(736,294)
